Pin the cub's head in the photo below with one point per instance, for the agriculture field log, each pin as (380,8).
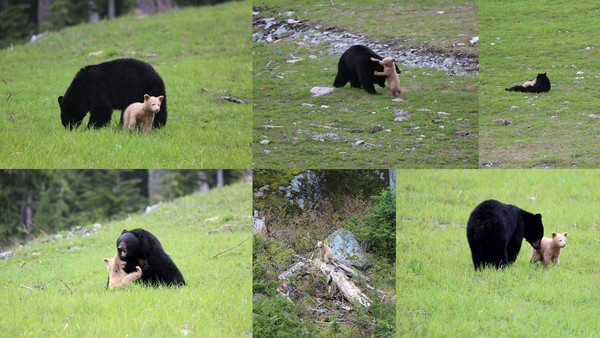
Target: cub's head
(560,240)
(115,264)
(152,103)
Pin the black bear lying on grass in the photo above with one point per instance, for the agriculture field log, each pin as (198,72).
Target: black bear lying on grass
(539,85)
(101,88)
(139,247)
(355,66)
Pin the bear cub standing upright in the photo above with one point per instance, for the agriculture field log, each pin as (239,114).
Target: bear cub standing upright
(549,251)
(142,113)
(389,71)
(495,232)
(117,277)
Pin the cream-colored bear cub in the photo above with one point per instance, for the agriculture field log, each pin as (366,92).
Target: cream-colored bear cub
(142,113)
(326,255)
(117,277)
(389,71)
(549,250)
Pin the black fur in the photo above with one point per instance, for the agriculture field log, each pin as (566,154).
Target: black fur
(355,66)
(496,230)
(542,84)
(101,88)
(139,247)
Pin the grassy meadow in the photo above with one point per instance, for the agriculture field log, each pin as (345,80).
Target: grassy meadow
(440,293)
(193,49)
(57,286)
(558,129)
(426,140)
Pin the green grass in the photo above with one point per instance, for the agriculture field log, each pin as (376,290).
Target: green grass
(426,140)
(442,294)
(75,302)
(192,49)
(550,129)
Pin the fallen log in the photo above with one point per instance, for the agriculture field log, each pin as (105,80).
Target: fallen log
(344,284)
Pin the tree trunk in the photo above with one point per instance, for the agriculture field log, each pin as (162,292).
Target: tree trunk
(220,178)
(145,6)
(202,182)
(393,181)
(165,5)
(111,9)
(44,14)
(93,12)
(155,187)
(248,175)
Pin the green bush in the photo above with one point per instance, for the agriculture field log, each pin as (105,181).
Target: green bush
(378,229)
(277,317)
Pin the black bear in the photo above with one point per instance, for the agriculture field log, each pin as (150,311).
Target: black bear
(139,247)
(496,230)
(355,66)
(539,85)
(101,88)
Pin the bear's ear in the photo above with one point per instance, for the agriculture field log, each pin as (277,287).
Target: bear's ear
(553,234)
(160,98)
(538,216)
(146,97)
(565,234)
(60,99)
(106,260)
(124,231)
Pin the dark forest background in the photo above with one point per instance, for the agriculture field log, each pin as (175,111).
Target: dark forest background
(34,202)
(22,19)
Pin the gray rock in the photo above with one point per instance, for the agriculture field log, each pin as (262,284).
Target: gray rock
(344,246)
(5,255)
(320,91)
(265,142)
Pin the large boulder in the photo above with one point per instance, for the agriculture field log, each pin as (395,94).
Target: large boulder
(344,246)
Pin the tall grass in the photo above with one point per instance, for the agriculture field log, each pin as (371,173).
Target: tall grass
(57,286)
(440,292)
(200,53)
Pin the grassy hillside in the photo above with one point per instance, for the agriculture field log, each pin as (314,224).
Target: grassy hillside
(57,286)
(442,295)
(304,124)
(192,49)
(558,129)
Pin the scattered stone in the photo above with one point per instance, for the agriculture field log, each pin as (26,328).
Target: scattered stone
(443,113)
(359,142)
(307,105)
(320,91)
(151,208)
(377,128)
(474,40)
(323,137)
(295,60)
(593,116)
(513,107)
(312,57)
(324,106)
(5,255)
(264,142)
(398,99)
(401,115)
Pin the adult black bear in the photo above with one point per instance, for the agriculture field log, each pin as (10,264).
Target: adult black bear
(101,88)
(355,66)
(539,85)
(139,247)
(496,230)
